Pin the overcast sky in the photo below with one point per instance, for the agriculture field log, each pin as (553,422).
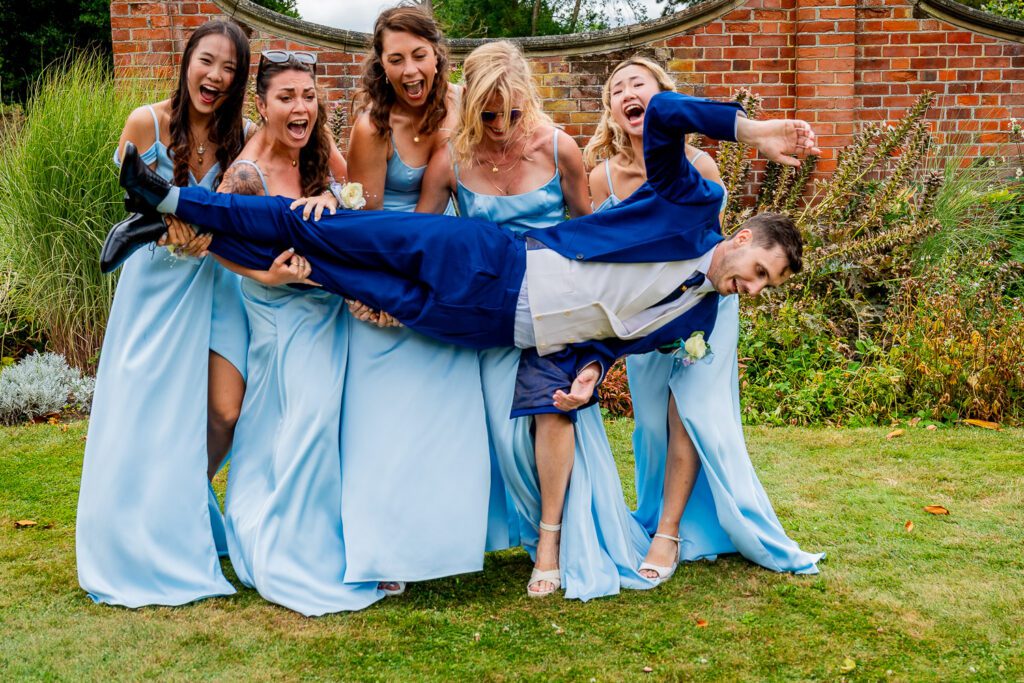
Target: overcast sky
(358,15)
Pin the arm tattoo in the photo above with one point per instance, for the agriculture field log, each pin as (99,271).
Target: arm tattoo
(241,179)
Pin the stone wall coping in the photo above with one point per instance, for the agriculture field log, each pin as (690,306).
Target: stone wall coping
(972,19)
(619,38)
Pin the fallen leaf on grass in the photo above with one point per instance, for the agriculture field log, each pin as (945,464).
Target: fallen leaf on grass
(909,526)
(558,629)
(894,434)
(702,623)
(984,424)
(476,637)
(24,524)
(931,428)
(936,510)
(63,428)
(647,669)
(848,666)
(913,421)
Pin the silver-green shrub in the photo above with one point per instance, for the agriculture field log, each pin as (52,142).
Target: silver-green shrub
(41,384)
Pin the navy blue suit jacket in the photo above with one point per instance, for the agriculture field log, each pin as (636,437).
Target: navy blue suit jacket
(671,217)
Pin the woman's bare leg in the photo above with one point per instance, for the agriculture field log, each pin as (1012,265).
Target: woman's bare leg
(681,469)
(225,391)
(555,446)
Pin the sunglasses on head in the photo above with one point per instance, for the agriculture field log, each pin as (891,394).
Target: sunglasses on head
(489,116)
(283,56)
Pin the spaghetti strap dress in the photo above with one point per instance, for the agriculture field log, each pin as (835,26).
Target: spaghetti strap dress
(728,510)
(601,544)
(415,473)
(283,504)
(149,528)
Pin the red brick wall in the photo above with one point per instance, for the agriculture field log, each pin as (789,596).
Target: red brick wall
(836,63)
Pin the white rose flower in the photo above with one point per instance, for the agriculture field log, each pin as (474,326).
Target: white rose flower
(352,196)
(695,346)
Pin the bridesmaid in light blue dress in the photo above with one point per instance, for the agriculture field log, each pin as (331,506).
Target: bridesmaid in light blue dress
(283,507)
(149,527)
(726,509)
(600,545)
(416,479)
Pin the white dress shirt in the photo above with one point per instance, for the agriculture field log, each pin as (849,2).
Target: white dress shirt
(564,301)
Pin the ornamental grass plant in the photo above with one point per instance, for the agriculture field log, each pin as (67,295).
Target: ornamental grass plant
(58,198)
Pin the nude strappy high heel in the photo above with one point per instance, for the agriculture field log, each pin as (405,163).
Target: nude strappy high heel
(664,573)
(553,576)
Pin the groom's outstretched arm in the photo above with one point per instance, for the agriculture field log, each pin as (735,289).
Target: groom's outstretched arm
(669,118)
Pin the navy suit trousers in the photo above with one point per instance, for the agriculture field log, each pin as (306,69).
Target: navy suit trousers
(454,279)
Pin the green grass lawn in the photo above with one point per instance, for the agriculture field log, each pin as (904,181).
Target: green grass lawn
(943,601)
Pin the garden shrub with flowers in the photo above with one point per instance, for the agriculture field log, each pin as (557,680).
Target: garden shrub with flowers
(910,299)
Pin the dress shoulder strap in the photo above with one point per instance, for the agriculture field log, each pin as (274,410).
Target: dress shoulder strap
(455,160)
(555,147)
(156,123)
(608,175)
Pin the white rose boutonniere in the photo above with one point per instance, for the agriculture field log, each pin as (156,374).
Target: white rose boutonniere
(352,196)
(695,349)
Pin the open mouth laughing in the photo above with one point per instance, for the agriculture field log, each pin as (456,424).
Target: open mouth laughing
(298,128)
(415,89)
(208,94)
(634,112)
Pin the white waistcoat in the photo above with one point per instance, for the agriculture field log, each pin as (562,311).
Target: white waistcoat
(572,301)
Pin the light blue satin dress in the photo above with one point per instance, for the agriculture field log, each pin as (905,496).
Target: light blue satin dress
(728,510)
(601,544)
(149,527)
(283,505)
(415,473)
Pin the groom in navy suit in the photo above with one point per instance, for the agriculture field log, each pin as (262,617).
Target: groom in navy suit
(631,279)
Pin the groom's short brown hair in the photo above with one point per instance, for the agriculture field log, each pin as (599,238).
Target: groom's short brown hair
(771,229)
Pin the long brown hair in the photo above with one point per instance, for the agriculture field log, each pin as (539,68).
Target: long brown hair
(313,157)
(375,93)
(226,130)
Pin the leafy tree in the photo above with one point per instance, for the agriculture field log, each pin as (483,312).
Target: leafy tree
(673,6)
(38,32)
(1011,9)
(516,18)
(285,7)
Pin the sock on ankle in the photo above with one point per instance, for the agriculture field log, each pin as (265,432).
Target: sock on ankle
(170,202)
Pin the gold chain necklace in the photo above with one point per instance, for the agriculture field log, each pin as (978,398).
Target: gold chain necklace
(200,151)
(496,168)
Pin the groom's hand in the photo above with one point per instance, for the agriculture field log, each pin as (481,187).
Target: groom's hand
(778,140)
(581,391)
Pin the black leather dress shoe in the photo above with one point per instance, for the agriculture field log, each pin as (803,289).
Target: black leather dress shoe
(144,187)
(127,236)
(132,205)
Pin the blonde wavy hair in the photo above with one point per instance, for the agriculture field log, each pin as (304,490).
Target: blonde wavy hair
(610,139)
(495,68)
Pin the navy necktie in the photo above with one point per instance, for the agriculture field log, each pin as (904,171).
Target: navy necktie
(696,280)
